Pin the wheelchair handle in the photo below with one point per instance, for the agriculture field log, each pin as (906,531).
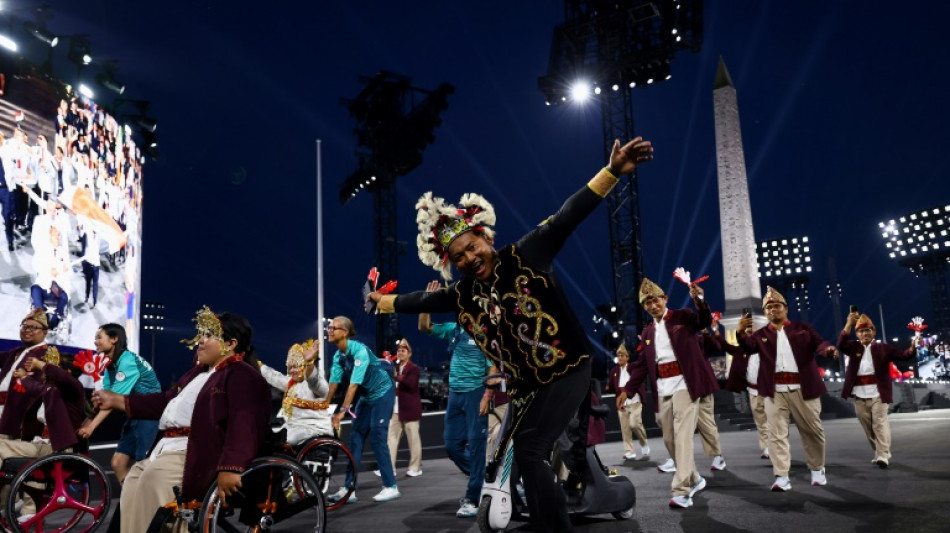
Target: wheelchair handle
(501,386)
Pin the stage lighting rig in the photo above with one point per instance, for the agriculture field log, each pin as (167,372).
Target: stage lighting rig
(920,241)
(601,52)
(392,133)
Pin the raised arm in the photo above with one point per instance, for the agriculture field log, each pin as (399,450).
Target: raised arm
(541,245)
(440,301)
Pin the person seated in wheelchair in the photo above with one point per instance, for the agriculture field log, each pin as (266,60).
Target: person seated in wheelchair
(52,281)
(212,425)
(305,407)
(33,330)
(44,407)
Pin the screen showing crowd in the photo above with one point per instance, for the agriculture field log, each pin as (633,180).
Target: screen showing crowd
(71,197)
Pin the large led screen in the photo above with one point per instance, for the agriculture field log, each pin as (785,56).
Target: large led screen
(71,200)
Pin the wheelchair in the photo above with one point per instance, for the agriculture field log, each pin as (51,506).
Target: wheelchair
(70,492)
(262,504)
(590,488)
(327,459)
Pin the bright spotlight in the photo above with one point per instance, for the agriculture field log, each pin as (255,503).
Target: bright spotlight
(615,87)
(596,90)
(580,91)
(85,91)
(8,43)
(650,81)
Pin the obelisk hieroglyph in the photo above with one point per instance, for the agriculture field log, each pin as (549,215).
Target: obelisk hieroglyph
(739,263)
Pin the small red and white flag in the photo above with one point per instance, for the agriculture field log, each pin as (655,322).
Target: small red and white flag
(18,116)
(917,324)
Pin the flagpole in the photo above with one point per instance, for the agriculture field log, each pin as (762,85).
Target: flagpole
(319,210)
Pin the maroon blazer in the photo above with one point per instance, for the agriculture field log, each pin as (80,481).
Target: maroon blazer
(228,425)
(613,382)
(8,357)
(682,325)
(735,381)
(882,354)
(63,399)
(407,393)
(804,341)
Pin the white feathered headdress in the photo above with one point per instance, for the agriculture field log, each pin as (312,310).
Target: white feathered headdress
(440,223)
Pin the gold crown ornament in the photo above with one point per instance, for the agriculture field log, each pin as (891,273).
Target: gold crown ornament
(295,358)
(207,323)
(772,296)
(648,289)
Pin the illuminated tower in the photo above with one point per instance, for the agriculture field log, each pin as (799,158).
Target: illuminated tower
(739,266)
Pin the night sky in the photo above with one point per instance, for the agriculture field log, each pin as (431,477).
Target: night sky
(842,107)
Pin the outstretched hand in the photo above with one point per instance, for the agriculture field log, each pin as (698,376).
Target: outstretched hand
(625,159)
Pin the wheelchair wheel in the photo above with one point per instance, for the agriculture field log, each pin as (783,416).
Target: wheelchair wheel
(264,504)
(328,460)
(58,493)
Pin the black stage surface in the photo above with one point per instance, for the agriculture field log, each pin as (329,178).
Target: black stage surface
(912,495)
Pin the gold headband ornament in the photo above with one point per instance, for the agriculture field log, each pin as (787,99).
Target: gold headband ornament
(439,223)
(207,323)
(295,355)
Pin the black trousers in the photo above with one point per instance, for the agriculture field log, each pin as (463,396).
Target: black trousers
(546,418)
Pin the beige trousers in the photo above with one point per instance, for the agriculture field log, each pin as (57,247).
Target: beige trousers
(494,426)
(149,487)
(412,435)
(757,405)
(807,415)
(631,426)
(677,418)
(706,424)
(872,413)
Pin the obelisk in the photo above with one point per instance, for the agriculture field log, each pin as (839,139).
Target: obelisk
(739,262)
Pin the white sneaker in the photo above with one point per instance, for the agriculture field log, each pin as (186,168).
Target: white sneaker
(413,473)
(467,509)
(765,454)
(376,472)
(340,494)
(681,501)
(629,455)
(644,452)
(818,477)
(667,467)
(881,462)
(718,463)
(700,485)
(782,484)
(387,494)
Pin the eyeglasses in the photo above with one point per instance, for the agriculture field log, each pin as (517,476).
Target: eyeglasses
(27,327)
(333,328)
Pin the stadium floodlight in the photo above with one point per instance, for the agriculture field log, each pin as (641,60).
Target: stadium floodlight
(86,91)
(920,241)
(43,34)
(109,82)
(786,264)
(8,43)
(80,50)
(147,123)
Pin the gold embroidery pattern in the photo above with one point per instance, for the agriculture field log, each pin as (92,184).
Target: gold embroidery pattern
(291,400)
(530,307)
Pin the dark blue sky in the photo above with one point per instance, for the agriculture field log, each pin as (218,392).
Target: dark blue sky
(843,116)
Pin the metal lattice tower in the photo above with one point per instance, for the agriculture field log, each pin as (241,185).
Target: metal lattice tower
(623,212)
(392,131)
(615,47)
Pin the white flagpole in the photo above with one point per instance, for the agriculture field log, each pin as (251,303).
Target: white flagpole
(319,210)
